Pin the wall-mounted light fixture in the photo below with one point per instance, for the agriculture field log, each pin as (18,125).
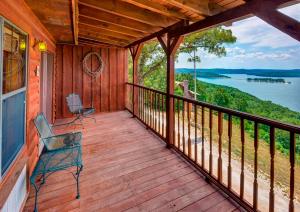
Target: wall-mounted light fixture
(22,45)
(42,45)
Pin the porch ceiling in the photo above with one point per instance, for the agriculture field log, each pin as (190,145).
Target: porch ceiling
(120,22)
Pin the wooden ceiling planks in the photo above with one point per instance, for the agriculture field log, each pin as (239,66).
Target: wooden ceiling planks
(130,11)
(56,17)
(120,22)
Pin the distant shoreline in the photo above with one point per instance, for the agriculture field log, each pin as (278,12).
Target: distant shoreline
(254,72)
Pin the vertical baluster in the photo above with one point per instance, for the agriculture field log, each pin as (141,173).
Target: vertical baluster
(163,116)
(139,102)
(196,123)
(202,135)
(255,184)
(210,141)
(183,130)
(243,158)
(144,105)
(178,123)
(148,108)
(272,153)
(155,109)
(189,129)
(174,111)
(220,132)
(159,111)
(229,149)
(292,170)
(151,109)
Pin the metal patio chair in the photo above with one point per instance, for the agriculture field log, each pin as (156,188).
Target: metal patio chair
(75,107)
(61,152)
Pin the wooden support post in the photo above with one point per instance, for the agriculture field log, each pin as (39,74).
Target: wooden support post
(170,45)
(135,54)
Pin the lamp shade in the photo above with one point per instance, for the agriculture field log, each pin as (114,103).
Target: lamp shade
(42,46)
(22,45)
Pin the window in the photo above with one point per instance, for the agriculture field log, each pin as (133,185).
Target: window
(14,59)
(13,66)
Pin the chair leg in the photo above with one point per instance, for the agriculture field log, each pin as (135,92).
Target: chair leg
(35,197)
(79,169)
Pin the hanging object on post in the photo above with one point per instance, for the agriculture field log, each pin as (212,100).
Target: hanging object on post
(87,67)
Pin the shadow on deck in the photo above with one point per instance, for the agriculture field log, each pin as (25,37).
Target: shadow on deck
(128,168)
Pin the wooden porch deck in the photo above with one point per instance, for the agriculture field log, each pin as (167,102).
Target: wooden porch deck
(128,168)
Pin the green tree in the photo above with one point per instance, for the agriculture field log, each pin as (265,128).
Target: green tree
(152,62)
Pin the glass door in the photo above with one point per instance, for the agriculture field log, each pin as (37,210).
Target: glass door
(13,92)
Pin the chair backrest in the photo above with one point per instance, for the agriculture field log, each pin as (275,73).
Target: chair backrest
(43,126)
(74,102)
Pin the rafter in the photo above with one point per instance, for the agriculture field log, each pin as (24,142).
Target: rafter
(106,39)
(234,14)
(158,8)
(75,20)
(95,30)
(196,6)
(129,11)
(284,23)
(111,27)
(106,17)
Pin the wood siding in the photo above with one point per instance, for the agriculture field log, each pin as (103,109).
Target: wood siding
(17,12)
(105,93)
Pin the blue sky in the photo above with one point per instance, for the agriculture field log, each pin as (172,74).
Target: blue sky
(259,45)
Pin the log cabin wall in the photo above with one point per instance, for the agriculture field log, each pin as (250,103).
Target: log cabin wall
(18,13)
(106,93)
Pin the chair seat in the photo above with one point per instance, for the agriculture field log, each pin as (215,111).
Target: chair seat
(63,141)
(57,160)
(88,111)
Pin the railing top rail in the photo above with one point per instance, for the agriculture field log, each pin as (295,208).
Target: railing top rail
(247,116)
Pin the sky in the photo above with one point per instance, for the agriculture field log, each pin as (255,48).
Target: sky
(259,46)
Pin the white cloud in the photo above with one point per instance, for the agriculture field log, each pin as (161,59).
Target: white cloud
(258,33)
(239,53)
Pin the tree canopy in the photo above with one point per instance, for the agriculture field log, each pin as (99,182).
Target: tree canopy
(152,62)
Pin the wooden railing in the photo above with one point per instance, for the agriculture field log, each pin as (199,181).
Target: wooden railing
(227,147)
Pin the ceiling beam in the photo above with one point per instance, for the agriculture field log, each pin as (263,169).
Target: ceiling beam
(284,23)
(111,27)
(95,30)
(106,17)
(129,11)
(75,20)
(233,14)
(158,8)
(175,27)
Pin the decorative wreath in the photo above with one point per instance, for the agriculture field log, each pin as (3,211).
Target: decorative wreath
(87,68)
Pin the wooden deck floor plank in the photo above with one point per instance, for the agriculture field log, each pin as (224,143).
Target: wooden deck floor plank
(189,198)
(206,203)
(126,168)
(169,196)
(146,195)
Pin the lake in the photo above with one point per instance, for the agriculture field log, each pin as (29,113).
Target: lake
(287,95)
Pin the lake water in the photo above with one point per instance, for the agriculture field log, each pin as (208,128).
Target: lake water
(287,95)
